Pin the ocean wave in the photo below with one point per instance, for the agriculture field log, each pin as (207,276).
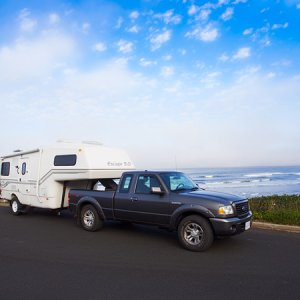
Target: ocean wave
(240,181)
(270,174)
(264,174)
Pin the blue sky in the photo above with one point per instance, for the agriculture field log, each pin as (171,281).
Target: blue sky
(187,83)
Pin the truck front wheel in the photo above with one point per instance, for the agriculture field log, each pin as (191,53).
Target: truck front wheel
(90,219)
(195,233)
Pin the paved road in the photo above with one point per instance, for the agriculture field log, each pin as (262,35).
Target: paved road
(43,256)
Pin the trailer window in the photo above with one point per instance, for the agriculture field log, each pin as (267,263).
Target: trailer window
(65,160)
(23,168)
(5,168)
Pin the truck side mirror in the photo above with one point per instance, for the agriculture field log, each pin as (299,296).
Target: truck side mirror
(156,190)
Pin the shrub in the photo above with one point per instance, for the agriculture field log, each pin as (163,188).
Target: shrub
(277,209)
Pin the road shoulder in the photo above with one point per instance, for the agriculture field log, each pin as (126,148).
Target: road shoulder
(277,227)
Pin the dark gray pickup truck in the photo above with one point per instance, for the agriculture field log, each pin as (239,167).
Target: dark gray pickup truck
(167,199)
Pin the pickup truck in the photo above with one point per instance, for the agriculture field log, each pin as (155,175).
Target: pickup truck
(167,199)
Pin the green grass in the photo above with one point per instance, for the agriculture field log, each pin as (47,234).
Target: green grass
(277,209)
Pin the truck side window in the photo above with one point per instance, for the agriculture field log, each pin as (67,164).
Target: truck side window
(5,168)
(145,183)
(125,183)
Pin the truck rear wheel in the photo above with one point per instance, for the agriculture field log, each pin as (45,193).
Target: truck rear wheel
(90,219)
(195,233)
(16,206)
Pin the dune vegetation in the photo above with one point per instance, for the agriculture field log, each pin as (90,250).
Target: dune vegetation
(277,209)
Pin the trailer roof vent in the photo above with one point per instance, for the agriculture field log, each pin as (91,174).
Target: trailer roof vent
(92,142)
(17,151)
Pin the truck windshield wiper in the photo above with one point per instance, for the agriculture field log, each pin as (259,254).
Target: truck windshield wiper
(186,189)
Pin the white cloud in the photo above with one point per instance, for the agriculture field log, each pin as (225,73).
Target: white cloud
(54,18)
(239,1)
(282,63)
(27,24)
(206,34)
(167,57)
(203,15)
(147,63)
(125,46)
(271,75)
(50,52)
(242,53)
(158,40)
(265,10)
(119,23)
(113,94)
(133,29)
(265,41)
(85,27)
(222,2)
(193,9)
(210,80)
(134,15)
(224,57)
(227,15)
(167,71)
(280,26)
(168,17)
(248,31)
(99,47)
(182,51)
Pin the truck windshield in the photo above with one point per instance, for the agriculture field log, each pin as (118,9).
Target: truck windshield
(177,181)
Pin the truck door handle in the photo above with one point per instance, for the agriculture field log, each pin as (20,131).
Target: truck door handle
(134,199)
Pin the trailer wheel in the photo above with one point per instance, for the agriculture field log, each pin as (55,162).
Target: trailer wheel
(15,206)
(90,219)
(195,233)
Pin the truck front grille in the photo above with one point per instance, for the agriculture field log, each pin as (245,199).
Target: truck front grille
(242,208)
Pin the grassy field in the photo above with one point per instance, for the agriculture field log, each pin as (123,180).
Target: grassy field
(277,209)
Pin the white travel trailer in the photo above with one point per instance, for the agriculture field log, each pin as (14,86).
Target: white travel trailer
(43,177)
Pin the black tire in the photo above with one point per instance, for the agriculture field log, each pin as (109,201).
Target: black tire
(16,206)
(89,218)
(195,233)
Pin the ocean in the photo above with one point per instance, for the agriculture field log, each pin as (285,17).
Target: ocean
(250,181)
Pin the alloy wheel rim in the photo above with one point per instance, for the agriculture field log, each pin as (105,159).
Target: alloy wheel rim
(193,234)
(88,218)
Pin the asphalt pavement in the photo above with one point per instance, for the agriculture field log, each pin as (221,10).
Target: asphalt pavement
(45,256)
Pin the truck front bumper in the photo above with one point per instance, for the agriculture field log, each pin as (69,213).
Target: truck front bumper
(231,226)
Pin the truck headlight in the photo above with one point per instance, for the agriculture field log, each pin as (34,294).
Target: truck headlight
(225,210)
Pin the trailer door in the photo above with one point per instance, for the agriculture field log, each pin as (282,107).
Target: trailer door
(26,186)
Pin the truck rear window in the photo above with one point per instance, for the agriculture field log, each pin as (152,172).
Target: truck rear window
(125,183)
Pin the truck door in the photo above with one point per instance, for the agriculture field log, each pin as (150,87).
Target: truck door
(138,204)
